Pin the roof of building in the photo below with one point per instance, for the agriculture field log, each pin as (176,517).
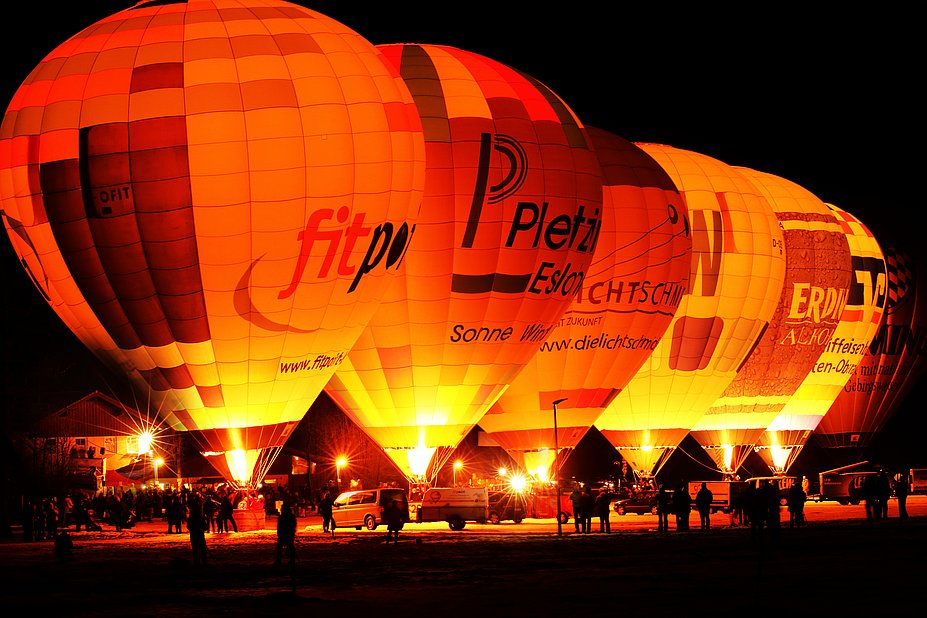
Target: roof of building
(96,414)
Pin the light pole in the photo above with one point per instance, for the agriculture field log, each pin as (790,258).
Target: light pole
(557,466)
(457,466)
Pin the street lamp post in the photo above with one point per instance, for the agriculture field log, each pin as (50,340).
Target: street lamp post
(557,466)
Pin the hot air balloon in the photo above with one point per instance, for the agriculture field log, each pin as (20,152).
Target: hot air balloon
(212,195)
(737,272)
(637,279)
(785,437)
(509,221)
(814,295)
(894,361)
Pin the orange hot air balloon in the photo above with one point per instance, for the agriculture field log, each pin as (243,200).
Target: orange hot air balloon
(213,195)
(893,363)
(785,437)
(817,283)
(509,221)
(638,277)
(737,271)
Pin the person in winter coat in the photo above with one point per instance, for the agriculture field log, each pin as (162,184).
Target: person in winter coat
(325,510)
(602,501)
(286,535)
(703,500)
(395,519)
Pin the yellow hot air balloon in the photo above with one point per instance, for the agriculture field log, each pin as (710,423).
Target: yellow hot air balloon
(737,272)
(892,365)
(814,295)
(785,437)
(213,195)
(509,221)
(635,284)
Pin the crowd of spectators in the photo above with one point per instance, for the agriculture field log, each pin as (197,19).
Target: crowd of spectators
(44,516)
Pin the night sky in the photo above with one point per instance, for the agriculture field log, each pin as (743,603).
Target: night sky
(828,99)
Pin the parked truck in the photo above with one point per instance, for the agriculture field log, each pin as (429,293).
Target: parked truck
(845,484)
(917,481)
(724,494)
(546,503)
(455,505)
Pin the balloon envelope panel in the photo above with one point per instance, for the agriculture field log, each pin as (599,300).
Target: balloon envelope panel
(200,189)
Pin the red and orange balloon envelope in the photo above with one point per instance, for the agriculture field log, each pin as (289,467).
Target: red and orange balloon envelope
(213,196)
(787,435)
(637,279)
(511,216)
(814,295)
(737,271)
(892,365)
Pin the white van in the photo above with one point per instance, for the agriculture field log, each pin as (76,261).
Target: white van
(364,508)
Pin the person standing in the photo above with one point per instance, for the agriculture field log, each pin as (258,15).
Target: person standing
(51,518)
(871,498)
(756,509)
(286,535)
(602,501)
(67,513)
(196,526)
(797,499)
(82,513)
(576,499)
(703,499)
(325,510)
(901,493)
(395,520)
(227,512)
(586,508)
(664,506)
(771,498)
(884,493)
(682,506)
(210,507)
(174,512)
